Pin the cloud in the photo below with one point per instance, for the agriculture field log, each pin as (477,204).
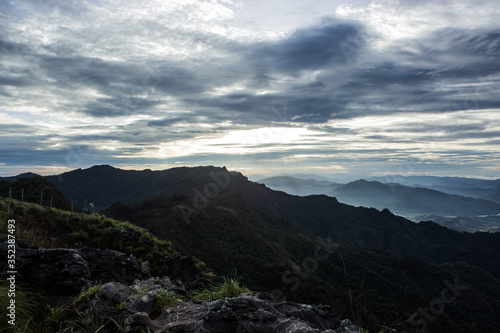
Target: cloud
(126,80)
(307,49)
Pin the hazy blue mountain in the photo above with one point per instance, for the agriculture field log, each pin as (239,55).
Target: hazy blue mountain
(333,179)
(411,201)
(470,187)
(299,186)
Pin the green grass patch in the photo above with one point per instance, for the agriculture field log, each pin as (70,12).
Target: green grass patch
(88,292)
(28,308)
(230,287)
(79,236)
(165,299)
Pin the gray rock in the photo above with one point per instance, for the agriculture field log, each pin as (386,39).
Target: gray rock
(139,322)
(109,265)
(346,326)
(58,271)
(239,314)
(115,292)
(66,271)
(142,303)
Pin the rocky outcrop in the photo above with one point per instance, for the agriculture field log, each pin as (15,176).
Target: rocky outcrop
(182,268)
(245,313)
(159,304)
(66,271)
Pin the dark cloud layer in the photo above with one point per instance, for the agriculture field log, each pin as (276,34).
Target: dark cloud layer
(147,78)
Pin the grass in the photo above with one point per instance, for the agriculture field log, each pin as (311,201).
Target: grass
(121,306)
(230,287)
(88,292)
(54,318)
(28,308)
(53,228)
(95,322)
(145,265)
(141,289)
(165,299)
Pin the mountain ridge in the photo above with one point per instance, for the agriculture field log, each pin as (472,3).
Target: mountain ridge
(273,237)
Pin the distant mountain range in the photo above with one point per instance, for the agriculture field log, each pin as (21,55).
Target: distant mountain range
(299,186)
(469,187)
(369,264)
(412,202)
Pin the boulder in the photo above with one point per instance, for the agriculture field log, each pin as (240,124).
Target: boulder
(67,271)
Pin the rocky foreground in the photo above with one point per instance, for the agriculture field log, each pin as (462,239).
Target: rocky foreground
(245,313)
(142,303)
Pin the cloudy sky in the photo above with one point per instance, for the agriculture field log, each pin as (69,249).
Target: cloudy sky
(338,87)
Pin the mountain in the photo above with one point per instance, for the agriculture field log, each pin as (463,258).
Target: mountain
(105,185)
(410,201)
(318,215)
(299,186)
(72,276)
(311,248)
(273,254)
(469,187)
(29,187)
(308,176)
(484,223)
(22,175)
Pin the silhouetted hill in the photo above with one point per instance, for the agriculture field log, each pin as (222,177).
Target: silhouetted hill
(22,175)
(276,241)
(318,215)
(106,185)
(272,254)
(33,185)
(358,226)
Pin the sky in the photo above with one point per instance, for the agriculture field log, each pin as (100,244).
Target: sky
(334,88)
